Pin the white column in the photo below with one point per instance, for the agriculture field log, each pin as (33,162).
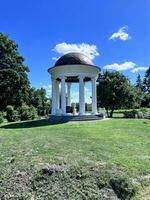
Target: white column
(53,111)
(57,96)
(69,94)
(94,96)
(63,95)
(81,96)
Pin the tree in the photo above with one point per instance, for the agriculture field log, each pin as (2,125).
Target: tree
(135,97)
(114,91)
(14,83)
(146,82)
(38,99)
(146,100)
(139,83)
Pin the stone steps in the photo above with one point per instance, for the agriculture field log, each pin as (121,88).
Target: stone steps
(61,119)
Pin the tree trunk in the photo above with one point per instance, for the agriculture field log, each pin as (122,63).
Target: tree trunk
(107,112)
(112,111)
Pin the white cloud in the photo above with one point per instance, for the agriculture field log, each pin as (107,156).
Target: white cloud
(137,69)
(55,58)
(48,89)
(120,67)
(121,34)
(90,50)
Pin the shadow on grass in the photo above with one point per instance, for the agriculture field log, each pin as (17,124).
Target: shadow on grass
(31,124)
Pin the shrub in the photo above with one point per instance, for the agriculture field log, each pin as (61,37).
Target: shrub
(148,115)
(1,117)
(27,113)
(11,114)
(130,114)
(144,110)
(142,114)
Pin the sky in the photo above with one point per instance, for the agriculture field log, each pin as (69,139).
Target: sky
(115,34)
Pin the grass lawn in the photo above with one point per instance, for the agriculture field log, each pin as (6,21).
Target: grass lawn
(75,160)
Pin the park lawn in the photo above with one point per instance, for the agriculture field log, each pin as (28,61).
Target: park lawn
(75,160)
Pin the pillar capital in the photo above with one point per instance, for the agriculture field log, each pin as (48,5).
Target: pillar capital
(53,78)
(94,78)
(81,76)
(62,77)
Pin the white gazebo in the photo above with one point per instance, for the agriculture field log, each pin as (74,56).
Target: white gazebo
(68,69)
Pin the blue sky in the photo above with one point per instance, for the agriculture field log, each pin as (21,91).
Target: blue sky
(114,33)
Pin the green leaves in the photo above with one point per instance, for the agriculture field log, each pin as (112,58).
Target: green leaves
(115,91)
(14,82)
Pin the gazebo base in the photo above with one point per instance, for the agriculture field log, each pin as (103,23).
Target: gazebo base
(66,118)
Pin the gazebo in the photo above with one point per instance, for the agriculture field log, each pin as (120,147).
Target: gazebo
(68,69)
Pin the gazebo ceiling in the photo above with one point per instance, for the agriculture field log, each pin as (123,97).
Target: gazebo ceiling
(73,59)
(74,79)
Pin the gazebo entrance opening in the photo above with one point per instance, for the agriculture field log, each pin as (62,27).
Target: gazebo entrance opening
(62,99)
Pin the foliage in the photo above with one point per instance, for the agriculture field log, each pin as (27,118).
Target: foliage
(14,83)
(139,83)
(38,99)
(130,114)
(1,117)
(141,114)
(146,82)
(15,89)
(114,91)
(27,112)
(134,97)
(146,100)
(11,114)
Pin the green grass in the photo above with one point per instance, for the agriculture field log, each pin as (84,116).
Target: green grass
(117,148)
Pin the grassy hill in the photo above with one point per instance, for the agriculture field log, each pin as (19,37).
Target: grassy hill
(76,160)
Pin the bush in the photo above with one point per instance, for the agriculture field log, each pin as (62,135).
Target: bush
(130,114)
(27,113)
(11,114)
(1,117)
(144,110)
(141,114)
(148,116)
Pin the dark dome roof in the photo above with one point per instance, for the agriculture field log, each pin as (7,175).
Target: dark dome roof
(73,59)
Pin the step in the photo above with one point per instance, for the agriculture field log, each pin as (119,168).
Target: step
(75,118)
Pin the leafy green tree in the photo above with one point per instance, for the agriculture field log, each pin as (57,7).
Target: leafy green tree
(139,82)
(146,82)
(146,100)
(135,97)
(27,112)
(11,114)
(14,83)
(38,99)
(114,91)
(1,117)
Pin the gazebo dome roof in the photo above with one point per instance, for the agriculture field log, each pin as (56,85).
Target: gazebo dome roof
(73,58)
